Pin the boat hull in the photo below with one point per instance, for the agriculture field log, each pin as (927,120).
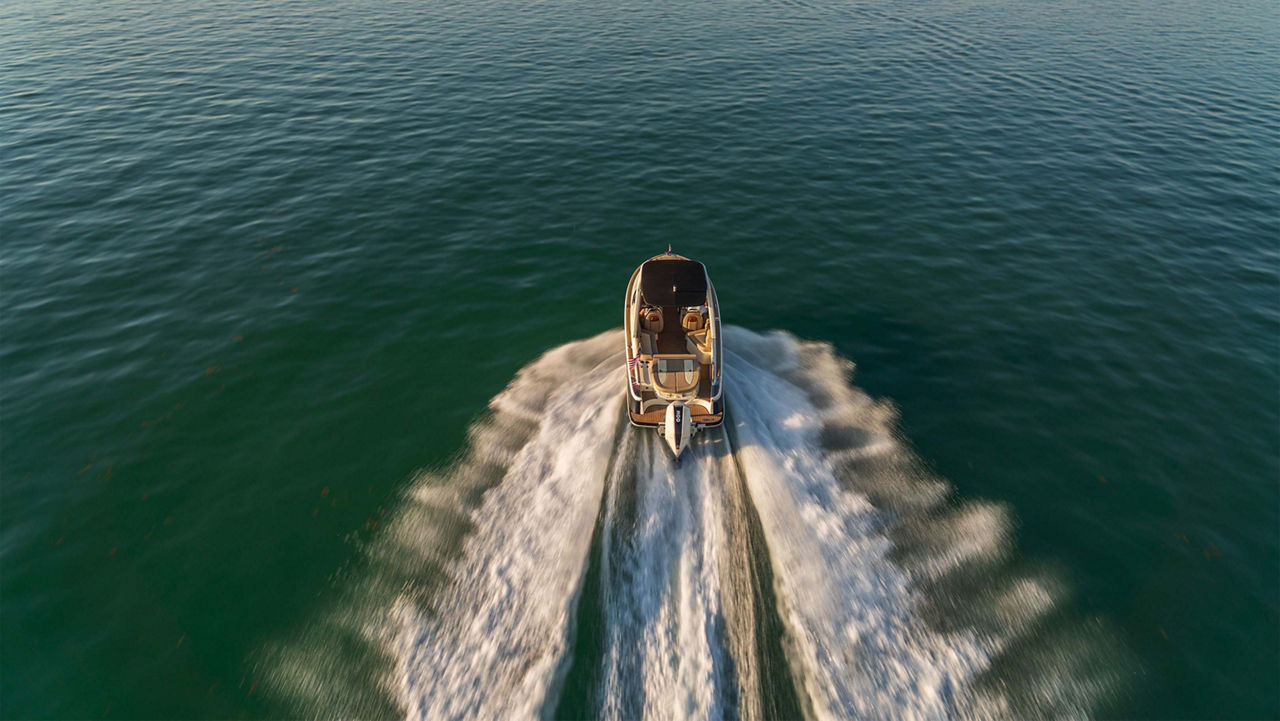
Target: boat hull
(671,319)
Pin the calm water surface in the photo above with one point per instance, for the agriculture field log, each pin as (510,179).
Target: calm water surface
(261,263)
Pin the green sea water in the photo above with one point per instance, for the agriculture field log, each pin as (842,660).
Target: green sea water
(270,273)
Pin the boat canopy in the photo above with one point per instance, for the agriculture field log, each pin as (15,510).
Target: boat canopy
(674,282)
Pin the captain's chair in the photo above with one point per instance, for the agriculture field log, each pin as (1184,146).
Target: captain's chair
(693,320)
(651,320)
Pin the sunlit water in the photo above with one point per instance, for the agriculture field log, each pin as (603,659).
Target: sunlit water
(297,418)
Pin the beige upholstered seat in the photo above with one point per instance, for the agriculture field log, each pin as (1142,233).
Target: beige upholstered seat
(692,320)
(699,344)
(651,320)
(675,374)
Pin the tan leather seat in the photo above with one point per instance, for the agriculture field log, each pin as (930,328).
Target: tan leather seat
(651,320)
(692,321)
(699,344)
(676,374)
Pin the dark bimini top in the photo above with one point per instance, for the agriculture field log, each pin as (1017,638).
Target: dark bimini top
(679,283)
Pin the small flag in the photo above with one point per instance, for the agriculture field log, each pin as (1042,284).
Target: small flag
(631,362)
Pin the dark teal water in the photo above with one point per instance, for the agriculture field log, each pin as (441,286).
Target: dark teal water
(260,263)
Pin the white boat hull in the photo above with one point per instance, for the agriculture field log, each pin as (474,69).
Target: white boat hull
(672,324)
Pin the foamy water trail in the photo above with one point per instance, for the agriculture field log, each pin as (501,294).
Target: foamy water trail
(496,640)
(804,524)
(665,657)
(859,648)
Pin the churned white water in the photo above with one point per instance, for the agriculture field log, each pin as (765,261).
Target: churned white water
(663,560)
(472,607)
(857,647)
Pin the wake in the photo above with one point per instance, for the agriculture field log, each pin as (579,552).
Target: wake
(798,560)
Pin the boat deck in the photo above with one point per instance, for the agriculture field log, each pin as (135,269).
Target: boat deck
(671,341)
(698,414)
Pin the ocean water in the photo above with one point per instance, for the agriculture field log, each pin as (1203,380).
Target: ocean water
(310,361)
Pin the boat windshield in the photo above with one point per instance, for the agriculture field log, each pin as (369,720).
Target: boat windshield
(675,375)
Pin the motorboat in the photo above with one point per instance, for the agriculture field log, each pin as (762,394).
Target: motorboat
(672,324)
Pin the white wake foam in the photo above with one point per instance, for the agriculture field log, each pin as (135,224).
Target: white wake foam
(494,643)
(473,592)
(664,658)
(858,647)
